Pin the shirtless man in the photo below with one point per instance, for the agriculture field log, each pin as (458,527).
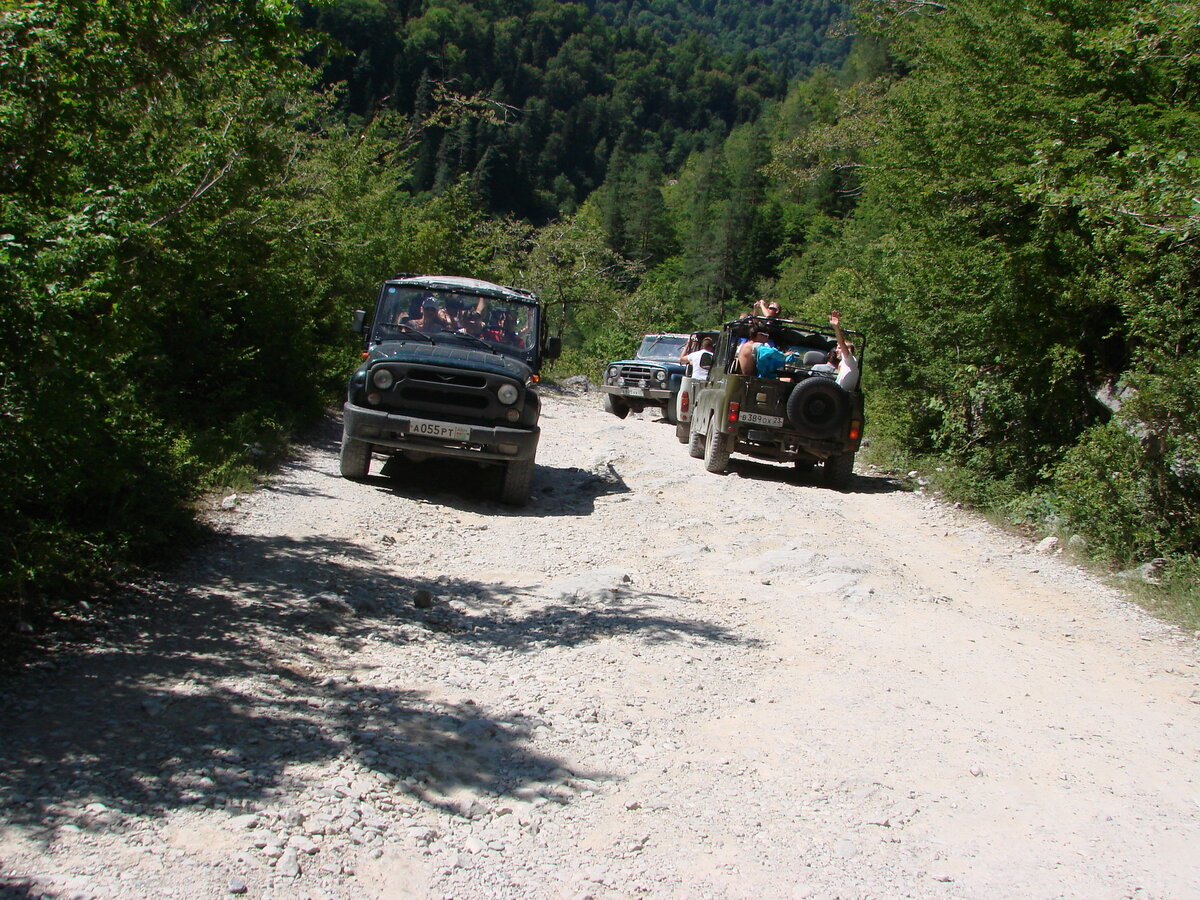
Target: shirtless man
(747,354)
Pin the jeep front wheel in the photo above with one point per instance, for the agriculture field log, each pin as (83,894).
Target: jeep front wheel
(616,406)
(671,409)
(518,478)
(355,458)
(716,450)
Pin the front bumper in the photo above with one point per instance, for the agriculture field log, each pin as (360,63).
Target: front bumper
(636,393)
(395,431)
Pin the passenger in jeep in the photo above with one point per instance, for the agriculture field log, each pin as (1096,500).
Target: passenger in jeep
(767,308)
(847,365)
(829,367)
(695,355)
(472,324)
(501,329)
(432,318)
(758,357)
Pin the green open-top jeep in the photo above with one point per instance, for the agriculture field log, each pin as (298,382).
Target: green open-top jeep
(800,414)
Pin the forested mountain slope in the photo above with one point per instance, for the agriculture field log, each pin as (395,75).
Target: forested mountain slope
(790,35)
(530,99)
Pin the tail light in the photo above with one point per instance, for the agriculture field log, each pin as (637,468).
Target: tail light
(683,402)
(855,430)
(734,408)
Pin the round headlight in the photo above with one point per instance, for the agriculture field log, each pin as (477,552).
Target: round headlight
(612,373)
(660,375)
(383,379)
(508,394)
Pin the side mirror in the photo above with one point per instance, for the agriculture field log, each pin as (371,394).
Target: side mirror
(359,320)
(553,348)
(706,359)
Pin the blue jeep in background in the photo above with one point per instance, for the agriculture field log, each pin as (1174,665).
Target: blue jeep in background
(651,378)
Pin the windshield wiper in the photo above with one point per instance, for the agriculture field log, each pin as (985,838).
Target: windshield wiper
(471,337)
(647,353)
(406,329)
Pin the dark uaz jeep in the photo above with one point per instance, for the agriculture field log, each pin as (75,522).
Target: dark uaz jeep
(651,378)
(449,368)
(798,415)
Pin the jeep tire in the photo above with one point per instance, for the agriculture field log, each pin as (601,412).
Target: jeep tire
(518,478)
(671,409)
(818,407)
(616,406)
(837,470)
(802,468)
(695,442)
(355,457)
(716,450)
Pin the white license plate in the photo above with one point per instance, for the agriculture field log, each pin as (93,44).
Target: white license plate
(635,392)
(756,419)
(439,430)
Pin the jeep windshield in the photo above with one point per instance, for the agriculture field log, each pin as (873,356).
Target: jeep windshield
(662,347)
(501,324)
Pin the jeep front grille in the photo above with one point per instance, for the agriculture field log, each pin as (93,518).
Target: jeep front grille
(418,394)
(637,373)
(460,394)
(439,377)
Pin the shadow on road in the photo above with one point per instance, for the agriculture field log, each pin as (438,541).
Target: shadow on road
(213,694)
(471,487)
(787,474)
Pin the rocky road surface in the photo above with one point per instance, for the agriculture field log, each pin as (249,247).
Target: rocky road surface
(652,682)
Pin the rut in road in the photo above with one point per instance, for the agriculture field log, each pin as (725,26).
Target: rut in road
(652,682)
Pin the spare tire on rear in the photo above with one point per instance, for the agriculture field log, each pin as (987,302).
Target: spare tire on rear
(818,407)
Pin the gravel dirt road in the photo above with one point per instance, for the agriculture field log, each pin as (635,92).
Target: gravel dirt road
(652,682)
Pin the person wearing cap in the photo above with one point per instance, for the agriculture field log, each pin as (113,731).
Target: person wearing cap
(768,309)
(432,317)
(762,309)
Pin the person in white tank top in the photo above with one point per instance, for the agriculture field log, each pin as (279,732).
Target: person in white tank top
(847,367)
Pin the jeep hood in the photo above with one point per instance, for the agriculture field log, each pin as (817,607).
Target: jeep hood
(671,365)
(454,356)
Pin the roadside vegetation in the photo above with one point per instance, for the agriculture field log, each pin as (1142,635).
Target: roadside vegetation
(194,197)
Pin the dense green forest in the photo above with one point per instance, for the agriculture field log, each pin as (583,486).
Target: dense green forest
(193,196)
(529,99)
(793,36)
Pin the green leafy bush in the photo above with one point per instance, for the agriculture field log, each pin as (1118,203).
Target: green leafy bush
(1104,489)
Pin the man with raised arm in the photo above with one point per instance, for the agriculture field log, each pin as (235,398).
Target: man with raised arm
(847,366)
